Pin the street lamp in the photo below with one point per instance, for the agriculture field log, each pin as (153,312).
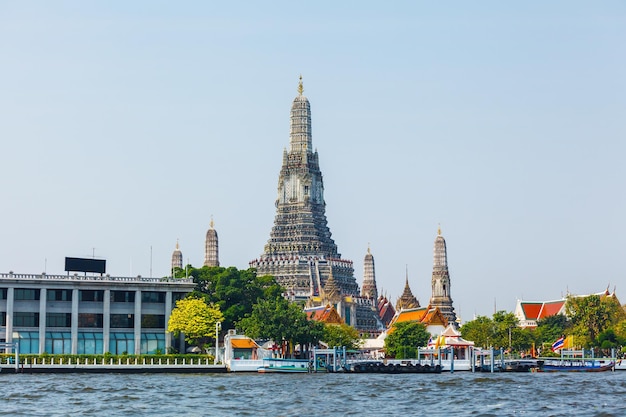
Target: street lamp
(218,327)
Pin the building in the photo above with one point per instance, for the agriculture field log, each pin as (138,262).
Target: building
(300,252)
(177,259)
(407,300)
(441,281)
(75,314)
(528,313)
(369,288)
(211,247)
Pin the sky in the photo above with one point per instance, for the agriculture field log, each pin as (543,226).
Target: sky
(126,126)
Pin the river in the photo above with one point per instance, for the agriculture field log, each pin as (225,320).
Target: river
(461,393)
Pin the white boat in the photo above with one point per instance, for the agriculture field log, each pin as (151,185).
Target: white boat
(279,365)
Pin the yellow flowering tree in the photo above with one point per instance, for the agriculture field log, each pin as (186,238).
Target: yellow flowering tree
(195,319)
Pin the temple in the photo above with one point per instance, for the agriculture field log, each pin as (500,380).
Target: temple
(300,252)
(211,247)
(441,281)
(177,259)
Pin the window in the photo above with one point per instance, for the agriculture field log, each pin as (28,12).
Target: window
(151,342)
(3,293)
(153,321)
(58,319)
(26,294)
(152,297)
(3,319)
(120,343)
(90,320)
(91,295)
(59,295)
(123,296)
(58,342)
(90,343)
(177,296)
(122,321)
(26,319)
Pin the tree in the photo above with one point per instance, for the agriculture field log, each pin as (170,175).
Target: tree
(501,331)
(593,315)
(341,335)
(196,319)
(405,338)
(480,331)
(551,328)
(233,291)
(281,321)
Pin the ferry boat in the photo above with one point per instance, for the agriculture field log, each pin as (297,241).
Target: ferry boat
(575,361)
(279,365)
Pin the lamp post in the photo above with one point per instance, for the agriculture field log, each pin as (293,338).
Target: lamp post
(218,327)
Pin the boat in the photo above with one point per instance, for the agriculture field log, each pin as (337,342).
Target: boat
(407,367)
(280,365)
(577,365)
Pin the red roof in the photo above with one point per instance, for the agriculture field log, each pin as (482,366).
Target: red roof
(551,308)
(531,310)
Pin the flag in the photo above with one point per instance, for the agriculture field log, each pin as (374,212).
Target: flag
(558,344)
(569,342)
(430,341)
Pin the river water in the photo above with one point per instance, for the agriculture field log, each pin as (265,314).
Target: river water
(461,393)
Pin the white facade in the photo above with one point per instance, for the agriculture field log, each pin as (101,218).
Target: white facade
(75,314)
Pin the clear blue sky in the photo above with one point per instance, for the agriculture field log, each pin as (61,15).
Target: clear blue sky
(126,125)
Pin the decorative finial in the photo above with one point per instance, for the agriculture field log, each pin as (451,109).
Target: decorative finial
(407,274)
(439,229)
(368,248)
(300,86)
(211,224)
(176,244)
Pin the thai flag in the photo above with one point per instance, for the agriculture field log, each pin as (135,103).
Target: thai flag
(558,344)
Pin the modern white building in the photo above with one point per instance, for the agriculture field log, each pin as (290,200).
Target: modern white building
(80,314)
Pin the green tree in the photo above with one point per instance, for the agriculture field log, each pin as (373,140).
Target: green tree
(233,291)
(341,335)
(280,320)
(196,319)
(551,328)
(480,331)
(593,315)
(405,338)
(500,331)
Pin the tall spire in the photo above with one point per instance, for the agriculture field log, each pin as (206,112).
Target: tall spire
(407,300)
(211,247)
(441,279)
(300,130)
(300,249)
(369,290)
(177,258)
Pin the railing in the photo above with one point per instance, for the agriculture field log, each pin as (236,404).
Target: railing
(104,362)
(76,277)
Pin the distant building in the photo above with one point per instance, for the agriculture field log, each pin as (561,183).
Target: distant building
(369,289)
(407,300)
(75,314)
(441,281)
(211,248)
(528,313)
(177,259)
(300,252)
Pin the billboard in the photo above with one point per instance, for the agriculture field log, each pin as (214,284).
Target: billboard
(85,265)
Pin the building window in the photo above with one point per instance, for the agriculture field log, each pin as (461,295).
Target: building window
(153,297)
(177,296)
(90,343)
(122,321)
(59,295)
(58,343)
(90,320)
(21,319)
(29,342)
(3,293)
(58,319)
(153,321)
(26,294)
(3,319)
(121,343)
(151,342)
(91,295)
(123,296)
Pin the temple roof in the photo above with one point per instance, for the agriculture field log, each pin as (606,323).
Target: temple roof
(325,314)
(407,300)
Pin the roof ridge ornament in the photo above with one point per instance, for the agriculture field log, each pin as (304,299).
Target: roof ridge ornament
(300,86)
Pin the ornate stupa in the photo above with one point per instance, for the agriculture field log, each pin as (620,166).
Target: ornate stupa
(441,280)
(300,251)
(177,258)
(211,248)
(407,300)
(369,290)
